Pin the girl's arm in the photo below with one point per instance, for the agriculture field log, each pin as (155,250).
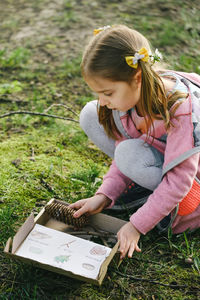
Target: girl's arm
(174,187)
(114,183)
(178,181)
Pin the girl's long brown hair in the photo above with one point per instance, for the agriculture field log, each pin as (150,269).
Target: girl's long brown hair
(104,57)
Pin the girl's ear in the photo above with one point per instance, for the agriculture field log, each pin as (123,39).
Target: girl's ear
(138,76)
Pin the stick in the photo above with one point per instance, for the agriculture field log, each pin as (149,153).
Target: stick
(59,104)
(101,237)
(151,281)
(36,114)
(47,186)
(91,233)
(32,154)
(12,100)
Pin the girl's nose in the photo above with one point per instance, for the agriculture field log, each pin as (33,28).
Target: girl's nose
(102,101)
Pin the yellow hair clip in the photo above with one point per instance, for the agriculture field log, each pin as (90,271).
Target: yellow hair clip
(142,54)
(96,31)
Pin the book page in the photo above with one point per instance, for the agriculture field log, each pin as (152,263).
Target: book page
(65,251)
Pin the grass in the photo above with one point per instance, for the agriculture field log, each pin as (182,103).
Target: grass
(15,59)
(43,158)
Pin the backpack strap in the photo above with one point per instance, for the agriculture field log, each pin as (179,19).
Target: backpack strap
(118,123)
(185,77)
(191,77)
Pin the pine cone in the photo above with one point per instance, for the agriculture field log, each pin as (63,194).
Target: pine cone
(63,213)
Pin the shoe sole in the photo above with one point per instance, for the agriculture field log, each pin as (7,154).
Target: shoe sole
(131,205)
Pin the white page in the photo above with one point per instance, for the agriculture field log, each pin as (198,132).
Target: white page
(65,251)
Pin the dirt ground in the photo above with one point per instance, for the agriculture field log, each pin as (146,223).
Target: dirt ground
(60,28)
(38,23)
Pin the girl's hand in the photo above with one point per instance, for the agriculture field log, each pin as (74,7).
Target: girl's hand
(91,205)
(128,237)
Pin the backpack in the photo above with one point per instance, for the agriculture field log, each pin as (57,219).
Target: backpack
(192,77)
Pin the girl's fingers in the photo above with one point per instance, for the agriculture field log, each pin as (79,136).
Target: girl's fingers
(73,205)
(80,212)
(126,248)
(76,205)
(131,249)
(137,249)
(123,248)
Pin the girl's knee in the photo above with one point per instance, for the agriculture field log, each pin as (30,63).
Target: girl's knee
(88,115)
(136,160)
(128,152)
(122,157)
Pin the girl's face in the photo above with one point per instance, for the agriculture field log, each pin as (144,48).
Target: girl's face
(118,95)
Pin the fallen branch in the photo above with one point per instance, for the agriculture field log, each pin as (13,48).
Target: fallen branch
(93,233)
(47,185)
(36,114)
(103,237)
(12,100)
(63,105)
(151,280)
(32,154)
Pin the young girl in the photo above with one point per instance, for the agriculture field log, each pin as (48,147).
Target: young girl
(147,120)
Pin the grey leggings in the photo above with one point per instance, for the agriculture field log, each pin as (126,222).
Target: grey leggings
(133,157)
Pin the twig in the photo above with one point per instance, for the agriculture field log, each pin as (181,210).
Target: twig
(104,241)
(47,186)
(12,100)
(63,105)
(101,237)
(92,233)
(36,114)
(149,261)
(151,281)
(32,154)
(9,280)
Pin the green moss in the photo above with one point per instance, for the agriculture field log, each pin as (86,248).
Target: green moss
(15,59)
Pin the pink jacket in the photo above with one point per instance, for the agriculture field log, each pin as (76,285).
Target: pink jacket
(181,147)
